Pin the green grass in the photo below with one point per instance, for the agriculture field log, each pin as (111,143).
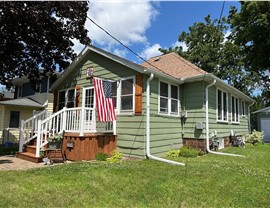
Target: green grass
(207,181)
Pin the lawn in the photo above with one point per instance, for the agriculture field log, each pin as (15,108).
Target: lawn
(207,181)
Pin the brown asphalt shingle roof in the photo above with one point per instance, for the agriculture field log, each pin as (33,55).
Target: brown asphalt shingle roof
(174,65)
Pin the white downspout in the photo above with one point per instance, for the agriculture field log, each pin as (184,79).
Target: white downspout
(148,154)
(207,125)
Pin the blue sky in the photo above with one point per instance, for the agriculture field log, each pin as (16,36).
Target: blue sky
(145,26)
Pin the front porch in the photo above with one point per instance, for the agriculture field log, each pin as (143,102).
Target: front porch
(83,136)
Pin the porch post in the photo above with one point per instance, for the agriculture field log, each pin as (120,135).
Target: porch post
(38,138)
(82,120)
(114,126)
(21,136)
(64,119)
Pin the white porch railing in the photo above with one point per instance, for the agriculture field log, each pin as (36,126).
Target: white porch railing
(80,120)
(29,127)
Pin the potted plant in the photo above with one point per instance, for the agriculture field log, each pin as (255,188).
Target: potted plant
(55,141)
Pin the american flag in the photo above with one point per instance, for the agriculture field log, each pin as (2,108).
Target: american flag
(104,101)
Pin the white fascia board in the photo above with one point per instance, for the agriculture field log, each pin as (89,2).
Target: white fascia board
(220,83)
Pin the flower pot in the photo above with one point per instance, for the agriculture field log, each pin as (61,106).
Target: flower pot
(55,145)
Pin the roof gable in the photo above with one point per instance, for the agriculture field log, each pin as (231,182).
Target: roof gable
(174,65)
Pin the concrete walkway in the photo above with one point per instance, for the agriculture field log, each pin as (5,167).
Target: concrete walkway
(10,162)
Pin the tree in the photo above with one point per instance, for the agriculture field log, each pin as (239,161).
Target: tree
(37,35)
(209,49)
(251,32)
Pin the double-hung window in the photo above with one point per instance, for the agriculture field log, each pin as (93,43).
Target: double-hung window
(235,110)
(222,109)
(66,98)
(14,120)
(244,109)
(123,95)
(19,93)
(168,99)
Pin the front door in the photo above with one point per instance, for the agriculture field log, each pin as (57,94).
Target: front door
(89,104)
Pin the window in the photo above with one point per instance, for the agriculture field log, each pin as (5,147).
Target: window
(19,93)
(38,87)
(14,120)
(123,95)
(235,110)
(66,98)
(243,109)
(222,109)
(168,99)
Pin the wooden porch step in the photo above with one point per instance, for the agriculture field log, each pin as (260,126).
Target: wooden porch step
(29,157)
(31,149)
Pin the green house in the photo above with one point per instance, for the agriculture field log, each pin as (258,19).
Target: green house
(162,104)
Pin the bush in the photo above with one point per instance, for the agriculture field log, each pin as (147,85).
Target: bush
(255,138)
(173,153)
(101,157)
(189,152)
(8,150)
(116,157)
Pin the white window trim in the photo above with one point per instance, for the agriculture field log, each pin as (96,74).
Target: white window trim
(169,99)
(66,93)
(238,116)
(118,97)
(222,114)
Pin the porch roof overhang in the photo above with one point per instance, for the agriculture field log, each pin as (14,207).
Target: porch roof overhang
(220,84)
(22,102)
(127,63)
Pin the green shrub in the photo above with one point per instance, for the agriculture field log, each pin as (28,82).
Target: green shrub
(8,150)
(101,157)
(116,157)
(173,153)
(255,138)
(189,152)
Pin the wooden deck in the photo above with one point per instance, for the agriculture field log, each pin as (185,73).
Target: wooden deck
(86,147)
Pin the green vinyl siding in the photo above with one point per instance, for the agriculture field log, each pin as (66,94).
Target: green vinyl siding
(224,128)
(165,130)
(193,101)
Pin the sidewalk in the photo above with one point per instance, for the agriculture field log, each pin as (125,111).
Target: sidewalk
(10,162)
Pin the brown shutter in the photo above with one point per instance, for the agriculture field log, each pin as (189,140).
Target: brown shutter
(55,100)
(78,94)
(138,94)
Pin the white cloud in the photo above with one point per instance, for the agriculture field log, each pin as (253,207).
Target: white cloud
(127,21)
(178,44)
(151,51)
(78,47)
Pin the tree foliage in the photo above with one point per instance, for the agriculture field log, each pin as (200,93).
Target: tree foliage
(251,31)
(37,35)
(209,48)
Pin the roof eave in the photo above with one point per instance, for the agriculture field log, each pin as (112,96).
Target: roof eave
(209,77)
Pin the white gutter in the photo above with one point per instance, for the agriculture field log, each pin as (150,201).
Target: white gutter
(207,124)
(148,154)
